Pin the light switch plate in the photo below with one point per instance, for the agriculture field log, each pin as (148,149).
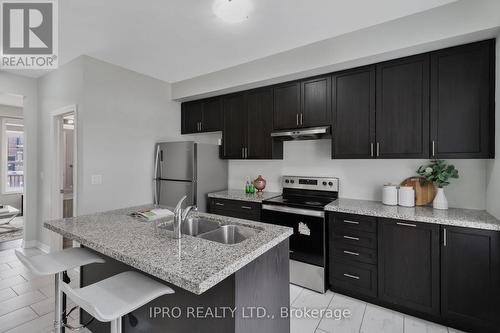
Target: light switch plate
(96,179)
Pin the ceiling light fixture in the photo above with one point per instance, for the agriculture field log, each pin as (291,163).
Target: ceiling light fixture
(232,11)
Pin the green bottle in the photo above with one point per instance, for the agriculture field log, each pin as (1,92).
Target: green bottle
(247,187)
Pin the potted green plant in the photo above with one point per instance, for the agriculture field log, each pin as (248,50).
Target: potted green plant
(439,173)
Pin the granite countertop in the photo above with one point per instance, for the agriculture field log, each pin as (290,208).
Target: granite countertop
(190,263)
(242,196)
(478,219)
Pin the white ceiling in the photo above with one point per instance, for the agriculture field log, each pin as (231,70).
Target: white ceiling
(178,39)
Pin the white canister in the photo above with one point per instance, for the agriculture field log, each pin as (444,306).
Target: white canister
(390,195)
(406,197)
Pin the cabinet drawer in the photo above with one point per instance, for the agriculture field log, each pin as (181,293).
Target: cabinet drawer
(355,222)
(236,208)
(352,253)
(354,277)
(349,236)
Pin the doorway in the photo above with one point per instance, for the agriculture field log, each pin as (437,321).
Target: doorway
(64,169)
(12,168)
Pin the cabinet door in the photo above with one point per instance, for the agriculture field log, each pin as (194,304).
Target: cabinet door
(315,102)
(287,105)
(408,264)
(235,128)
(462,101)
(212,115)
(470,276)
(260,123)
(191,117)
(402,124)
(354,113)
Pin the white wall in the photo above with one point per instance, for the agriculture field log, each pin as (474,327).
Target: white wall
(27,87)
(493,173)
(457,23)
(359,179)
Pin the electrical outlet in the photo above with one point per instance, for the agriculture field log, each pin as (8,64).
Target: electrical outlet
(96,180)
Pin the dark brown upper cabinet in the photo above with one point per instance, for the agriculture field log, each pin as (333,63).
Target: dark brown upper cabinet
(305,103)
(287,105)
(315,96)
(353,102)
(201,116)
(470,278)
(462,101)
(402,115)
(408,265)
(248,122)
(234,131)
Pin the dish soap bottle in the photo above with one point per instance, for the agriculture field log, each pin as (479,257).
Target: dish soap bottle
(247,187)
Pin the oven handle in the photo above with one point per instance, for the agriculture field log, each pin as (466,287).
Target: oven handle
(291,210)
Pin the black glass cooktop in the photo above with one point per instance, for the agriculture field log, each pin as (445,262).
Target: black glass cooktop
(301,201)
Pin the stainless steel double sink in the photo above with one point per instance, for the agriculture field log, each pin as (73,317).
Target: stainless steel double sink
(212,231)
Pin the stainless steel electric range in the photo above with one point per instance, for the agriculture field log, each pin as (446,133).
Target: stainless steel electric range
(301,207)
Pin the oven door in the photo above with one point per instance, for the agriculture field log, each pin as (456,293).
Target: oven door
(307,244)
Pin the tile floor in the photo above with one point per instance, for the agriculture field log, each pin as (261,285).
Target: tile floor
(26,306)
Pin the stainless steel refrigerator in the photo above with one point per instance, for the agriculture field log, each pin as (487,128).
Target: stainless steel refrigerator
(187,168)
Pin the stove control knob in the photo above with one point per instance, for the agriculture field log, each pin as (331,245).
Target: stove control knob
(330,183)
(287,181)
(324,183)
(292,181)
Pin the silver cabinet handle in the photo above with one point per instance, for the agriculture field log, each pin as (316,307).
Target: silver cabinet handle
(302,119)
(371,149)
(444,237)
(297,119)
(351,238)
(378,149)
(351,253)
(406,224)
(219,204)
(433,148)
(351,222)
(351,276)
(246,152)
(246,207)
(242,152)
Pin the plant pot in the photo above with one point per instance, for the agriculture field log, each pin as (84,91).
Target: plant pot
(440,201)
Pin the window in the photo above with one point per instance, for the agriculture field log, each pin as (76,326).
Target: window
(13,155)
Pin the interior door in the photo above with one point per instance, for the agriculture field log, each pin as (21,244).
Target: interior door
(403,108)
(177,160)
(170,192)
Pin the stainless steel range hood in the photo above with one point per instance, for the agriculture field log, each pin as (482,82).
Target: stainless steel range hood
(311,133)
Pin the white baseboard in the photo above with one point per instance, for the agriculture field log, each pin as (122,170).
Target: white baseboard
(36,244)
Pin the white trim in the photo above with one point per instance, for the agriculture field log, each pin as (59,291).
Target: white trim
(56,242)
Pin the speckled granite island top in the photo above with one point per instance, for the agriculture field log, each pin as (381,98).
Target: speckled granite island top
(470,218)
(242,196)
(191,263)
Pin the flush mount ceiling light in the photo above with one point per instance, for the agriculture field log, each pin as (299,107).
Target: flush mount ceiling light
(232,11)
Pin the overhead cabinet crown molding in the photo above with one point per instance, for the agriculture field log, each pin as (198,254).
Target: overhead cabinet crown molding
(434,105)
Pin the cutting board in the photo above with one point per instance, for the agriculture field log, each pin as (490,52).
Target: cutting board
(424,193)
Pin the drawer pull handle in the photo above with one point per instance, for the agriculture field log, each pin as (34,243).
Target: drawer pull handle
(351,238)
(406,224)
(246,207)
(351,253)
(219,204)
(351,276)
(351,222)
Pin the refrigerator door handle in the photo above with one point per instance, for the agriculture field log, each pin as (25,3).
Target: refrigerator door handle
(156,176)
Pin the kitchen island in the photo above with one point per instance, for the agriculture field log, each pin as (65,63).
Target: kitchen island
(219,287)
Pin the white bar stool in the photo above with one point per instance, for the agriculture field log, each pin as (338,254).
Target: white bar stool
(112,298)
(57,263)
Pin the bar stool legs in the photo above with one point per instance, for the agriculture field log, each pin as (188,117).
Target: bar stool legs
(58,306)
(116,325)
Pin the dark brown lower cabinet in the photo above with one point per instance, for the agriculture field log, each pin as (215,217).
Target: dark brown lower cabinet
(235,208)
(470,279)
(408,266)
